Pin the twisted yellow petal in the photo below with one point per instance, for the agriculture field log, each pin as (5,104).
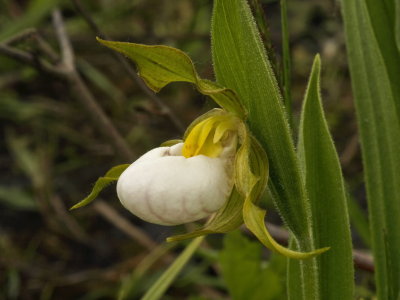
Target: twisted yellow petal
(207,137)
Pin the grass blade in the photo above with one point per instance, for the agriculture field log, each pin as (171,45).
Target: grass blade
(380,142)
(327,194)
(158,289)
(130,285)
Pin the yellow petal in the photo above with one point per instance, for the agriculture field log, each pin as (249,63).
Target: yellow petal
(206,137)
(197,136)
(223,127)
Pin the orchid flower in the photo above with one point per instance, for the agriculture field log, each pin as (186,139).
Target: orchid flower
(219,171)
(185,182)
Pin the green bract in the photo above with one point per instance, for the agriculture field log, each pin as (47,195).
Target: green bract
(161,65)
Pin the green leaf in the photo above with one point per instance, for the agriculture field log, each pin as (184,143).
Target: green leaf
(158,289)
(294,285)
(160,65)
(240,63)
(101,183)
(383,17)
(380,141)
(327,195)
(397,24)
(240,256)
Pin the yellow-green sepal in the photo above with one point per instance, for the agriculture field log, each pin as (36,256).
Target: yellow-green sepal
(160,65)
(251,179)
(111,176)
(254,219)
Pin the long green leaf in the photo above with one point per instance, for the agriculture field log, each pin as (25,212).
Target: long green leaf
(383,17)
(158,289)
(293,284)
(397,24)
(380,142)
(240,63)
(326,191)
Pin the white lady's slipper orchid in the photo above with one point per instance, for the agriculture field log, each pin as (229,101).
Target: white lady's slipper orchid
(220,168)
(186,182)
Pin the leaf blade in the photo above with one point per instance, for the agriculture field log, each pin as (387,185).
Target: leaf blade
(327,195)
(379,127)
(240,63)
(383,16)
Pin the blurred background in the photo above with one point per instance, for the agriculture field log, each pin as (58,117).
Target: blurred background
(55,143)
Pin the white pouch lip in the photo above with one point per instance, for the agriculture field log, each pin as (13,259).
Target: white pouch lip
(165,188)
